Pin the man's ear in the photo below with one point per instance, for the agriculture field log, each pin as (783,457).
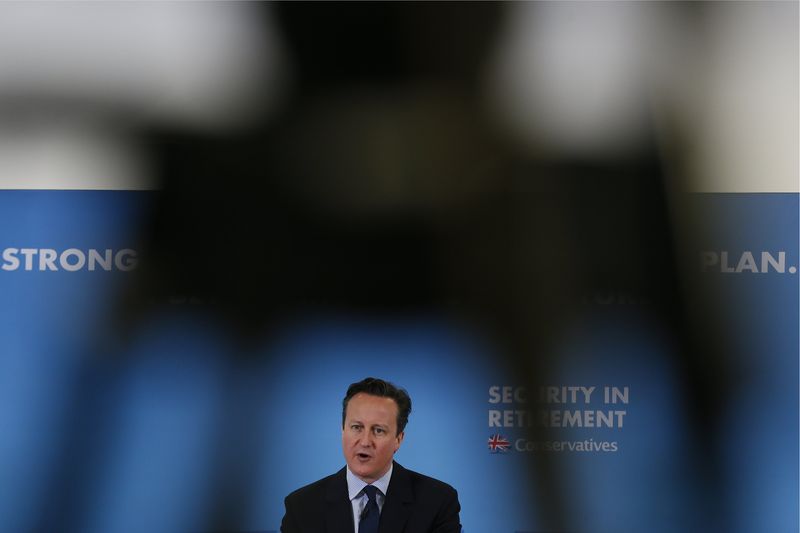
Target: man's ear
(400,439)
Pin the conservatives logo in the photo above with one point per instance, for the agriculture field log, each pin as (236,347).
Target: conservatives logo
(498,443)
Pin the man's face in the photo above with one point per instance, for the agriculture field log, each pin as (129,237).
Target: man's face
(369,435)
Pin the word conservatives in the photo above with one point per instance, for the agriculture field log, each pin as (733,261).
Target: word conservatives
(589,445)
(70,260)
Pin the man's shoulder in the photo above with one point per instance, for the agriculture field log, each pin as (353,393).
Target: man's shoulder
(421,482)
(435,501)
(317,489)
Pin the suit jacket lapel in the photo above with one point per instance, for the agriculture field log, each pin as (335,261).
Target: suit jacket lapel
(338,509)
(397,506)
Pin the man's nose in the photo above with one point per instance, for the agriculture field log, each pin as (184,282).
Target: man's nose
(367,441)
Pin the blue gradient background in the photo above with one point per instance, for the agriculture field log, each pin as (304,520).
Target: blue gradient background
(156,427)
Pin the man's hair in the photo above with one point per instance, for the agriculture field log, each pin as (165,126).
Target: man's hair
(379,387)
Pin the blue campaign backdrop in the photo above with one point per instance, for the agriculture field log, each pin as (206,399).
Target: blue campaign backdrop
(154,443)
(47,320)
(759,433)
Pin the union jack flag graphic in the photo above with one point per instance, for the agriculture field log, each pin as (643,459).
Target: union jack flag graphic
(498,443)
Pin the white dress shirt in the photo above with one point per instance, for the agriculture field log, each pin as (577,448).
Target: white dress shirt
(359,499)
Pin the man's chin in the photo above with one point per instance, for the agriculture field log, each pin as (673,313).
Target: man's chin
(363,472)
(367,472)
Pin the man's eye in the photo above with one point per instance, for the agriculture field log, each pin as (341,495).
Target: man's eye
(355,427)
(379,431)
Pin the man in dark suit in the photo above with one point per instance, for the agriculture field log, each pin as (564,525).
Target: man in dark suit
(373,494)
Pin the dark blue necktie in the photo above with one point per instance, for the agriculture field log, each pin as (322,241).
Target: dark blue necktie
(371,513)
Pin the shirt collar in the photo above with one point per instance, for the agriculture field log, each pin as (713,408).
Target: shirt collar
(355,484)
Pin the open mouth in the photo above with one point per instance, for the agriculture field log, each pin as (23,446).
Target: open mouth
(363,456)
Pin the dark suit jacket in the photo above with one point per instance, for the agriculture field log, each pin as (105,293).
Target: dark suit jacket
(414,504)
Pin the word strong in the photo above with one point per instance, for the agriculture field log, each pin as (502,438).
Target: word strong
(70,260)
